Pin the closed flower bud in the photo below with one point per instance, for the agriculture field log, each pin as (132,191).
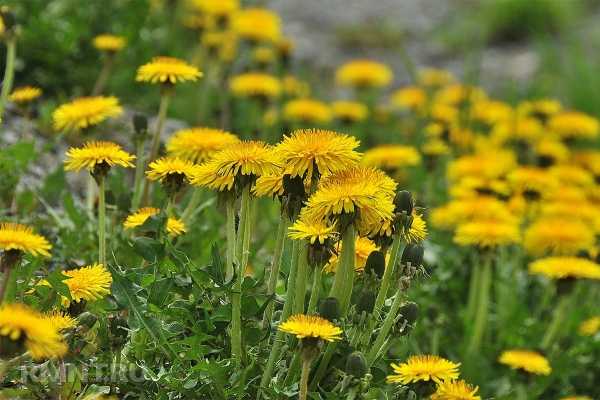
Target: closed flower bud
(375,263)
(140,124)
(409,312)
(413,254)
(356,365)
(294,186)
(329,308)
(404,202)
(365,302)
(118,331)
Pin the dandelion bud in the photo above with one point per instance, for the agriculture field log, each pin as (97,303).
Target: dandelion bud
(404,202)
(356,365)
(366,302)
(329,308)
(409,312)
(294,186)
(140,124)
(375,263)
(118,331)
(86,320)
(8,20)
(413,254)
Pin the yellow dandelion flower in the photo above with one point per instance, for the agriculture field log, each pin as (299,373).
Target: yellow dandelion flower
(551,151)
(458,94)
(434,77)
(540,108)
(41,338)
(576,398)
(435,148)
(307,110)
(161,169)
(473,186)
(217,8)
(491,112)
(469,209)
(417,231)
(349,111)
(199,144)
(109,43)
(167,70)
(248,158)
(392,157)
(590,326)
(85,112)
(526,360)
(364,73)
(366,192)
(588,159)
(311,230)
(444,114)
(455,390)
(175,226)
(60,321)
(572,175)
(424,368)
(411,98)
(88,283)
(96,153)
(523,129)
(583,211)
(311,327)
(257,24)
(574,124)
(264,55)
(295,87)
(22,238)
(309,151)
(531,181)
(487,233)
(363,247)
(565,267)
(25,94)
(488,164)
(557,236)
(255,84)
(269,185)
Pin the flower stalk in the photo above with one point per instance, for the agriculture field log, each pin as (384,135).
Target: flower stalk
(481,312)
(101,220)
(275,266)
(388,323)
(559,315)
(9,72)
(344,277)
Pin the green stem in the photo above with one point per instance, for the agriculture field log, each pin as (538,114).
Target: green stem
(101,221)
(231,245)
(4,284)
(192,205)
(390,318)
(316,290)
(304,378)
(387,275)
(323,364)
(9,72)
(344,276)
(483,299)
(140,162)
(285,313)
(104,75)
(155,146)
(553,332)
(90,194)
(275,265)
(301,278)
(472,299)
(241,250)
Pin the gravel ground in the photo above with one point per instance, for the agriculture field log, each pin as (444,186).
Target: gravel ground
(315,25)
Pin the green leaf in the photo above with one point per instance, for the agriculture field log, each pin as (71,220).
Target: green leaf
(216,267)
(77,217)
(125,293)
(56,279)
(150,249)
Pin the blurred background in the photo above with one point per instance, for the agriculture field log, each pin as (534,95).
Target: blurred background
(514,48)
